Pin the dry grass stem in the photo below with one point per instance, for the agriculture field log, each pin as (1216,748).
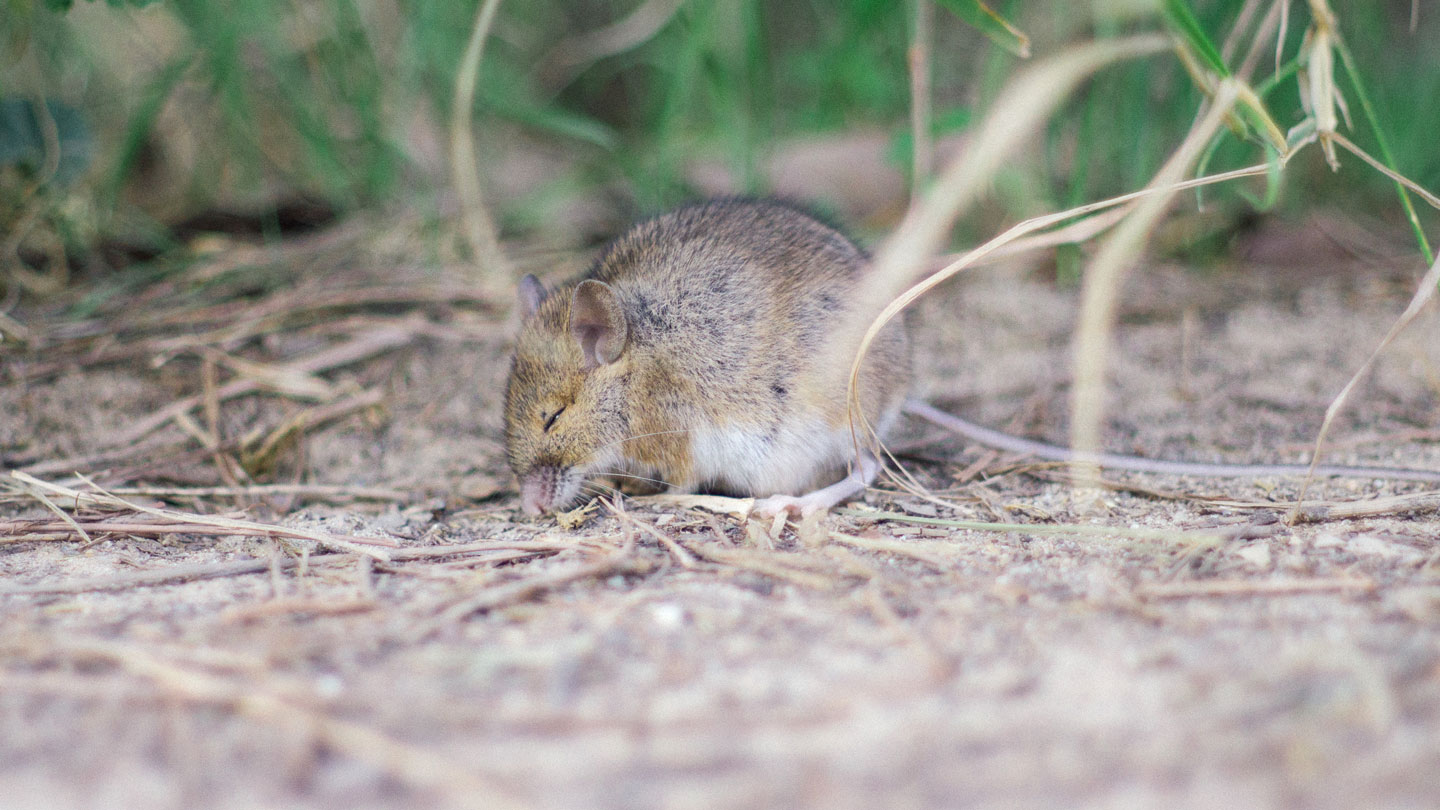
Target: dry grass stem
(1078,530)
(763,562)
(18,531)
(155,446)
(683,557)
(556,545)
(105,501)
(903,548)
(1106,271)
(1083,230)
(1423,295)
(492,266)
(127,336)
(259,450)
(1388,506)
(352,351)
(240,614)
(525,589)
(1019,112)
(976,255)
(331,492)
(922,154)
(1420,191)
(1249,587)
(570,57)
(168,575)
(1238,27)
(718,504)
(1271,26)
(38,494)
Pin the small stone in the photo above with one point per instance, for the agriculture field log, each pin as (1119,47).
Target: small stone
(1256,555)
(1368,545)
(668,615)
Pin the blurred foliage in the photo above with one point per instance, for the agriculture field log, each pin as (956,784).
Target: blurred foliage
(44,141)
(241,105)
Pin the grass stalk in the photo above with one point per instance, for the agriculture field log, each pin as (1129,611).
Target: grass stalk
(1383,145)
(1046,529)
(1423,295)
(479,228)
(1106,272)
(922,156)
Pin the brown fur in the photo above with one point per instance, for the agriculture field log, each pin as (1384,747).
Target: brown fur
(732,307)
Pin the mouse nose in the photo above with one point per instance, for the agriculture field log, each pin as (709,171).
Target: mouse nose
(537,491)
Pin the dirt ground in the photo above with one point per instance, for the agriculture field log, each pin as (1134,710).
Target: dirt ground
(486,660)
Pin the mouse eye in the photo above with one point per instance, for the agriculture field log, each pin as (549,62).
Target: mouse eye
(550,420)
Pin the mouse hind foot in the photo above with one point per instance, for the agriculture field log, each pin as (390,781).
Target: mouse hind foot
(861,476)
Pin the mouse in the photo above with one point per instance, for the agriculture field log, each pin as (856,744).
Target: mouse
(707,349)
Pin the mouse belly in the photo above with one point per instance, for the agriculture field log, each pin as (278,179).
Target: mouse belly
(749,460)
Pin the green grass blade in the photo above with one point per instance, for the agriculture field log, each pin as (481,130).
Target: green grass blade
(1384,146)
(139,126)
(999,30)
(1183,19)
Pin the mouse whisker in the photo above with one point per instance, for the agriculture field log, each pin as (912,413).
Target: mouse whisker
(644,436)
(638,478)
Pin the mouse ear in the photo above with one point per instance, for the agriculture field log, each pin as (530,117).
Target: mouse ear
(532,294)
(597,322)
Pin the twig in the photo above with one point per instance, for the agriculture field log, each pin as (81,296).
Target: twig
(189,573)
(685,558)
(1245,587)
(501,595)
(352,351)
(763,563)
(162,576)
(1393,505)
(249,319)
(40,496)
(890,547)
(1082,530)
(102,499)
(13,531)
(209,386)
(241,322)
(328,491)
(259,448)
(280,607)
(533,546)
(152,447)
(1423,294)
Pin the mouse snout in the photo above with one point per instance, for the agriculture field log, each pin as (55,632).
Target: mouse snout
(536,493)
(539,490)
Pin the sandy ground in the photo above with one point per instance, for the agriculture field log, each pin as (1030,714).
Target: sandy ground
(1234,661)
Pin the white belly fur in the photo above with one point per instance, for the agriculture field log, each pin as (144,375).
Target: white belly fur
(739,459)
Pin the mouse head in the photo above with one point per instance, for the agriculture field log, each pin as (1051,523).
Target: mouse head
(565,403)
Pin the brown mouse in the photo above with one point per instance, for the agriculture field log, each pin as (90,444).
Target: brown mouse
(707,349)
